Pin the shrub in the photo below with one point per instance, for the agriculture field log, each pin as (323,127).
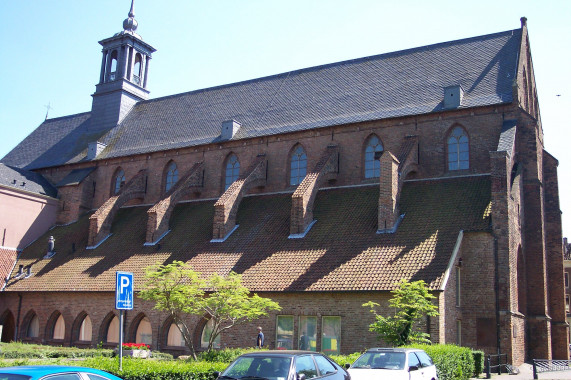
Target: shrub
(35,351)
(478,362)
(223,356)
(452,362)
(345,359)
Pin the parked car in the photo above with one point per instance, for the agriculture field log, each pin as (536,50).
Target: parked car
(54,372)
(393,363)
(284,365)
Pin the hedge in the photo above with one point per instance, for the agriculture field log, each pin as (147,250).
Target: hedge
(452,362)
(478,362)
(35,351)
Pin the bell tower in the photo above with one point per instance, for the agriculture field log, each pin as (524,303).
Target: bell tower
(123,77)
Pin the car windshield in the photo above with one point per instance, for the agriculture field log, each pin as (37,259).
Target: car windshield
(13,376)
(380,360)
(248,367)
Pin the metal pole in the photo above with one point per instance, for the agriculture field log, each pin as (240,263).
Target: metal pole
(535,370)
(120,340)
(488,368)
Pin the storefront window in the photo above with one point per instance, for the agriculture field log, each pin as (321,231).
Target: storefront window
(331,335)
(284,332)
(307,333)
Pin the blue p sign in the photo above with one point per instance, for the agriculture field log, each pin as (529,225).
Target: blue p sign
(124,291)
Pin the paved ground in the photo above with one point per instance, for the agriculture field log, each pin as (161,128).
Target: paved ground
(526,372)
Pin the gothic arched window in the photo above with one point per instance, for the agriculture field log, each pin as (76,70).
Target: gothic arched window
(59,328)
(372,163)
(33,330)
(206,334)
(298,166)
(119,181)
(232,171)
(174,336)
(172,176)
(85,330)
(113,331)
(144,332)
(458,150)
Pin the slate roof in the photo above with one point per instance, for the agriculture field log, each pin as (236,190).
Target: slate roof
(75,177)
(402,83)
(25,180)
(342,251)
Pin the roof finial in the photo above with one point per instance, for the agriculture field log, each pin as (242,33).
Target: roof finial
(130,24)
(523,21)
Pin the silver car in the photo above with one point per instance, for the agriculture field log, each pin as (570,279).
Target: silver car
(393,363)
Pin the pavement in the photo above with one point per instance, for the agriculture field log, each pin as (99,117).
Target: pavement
(526,372)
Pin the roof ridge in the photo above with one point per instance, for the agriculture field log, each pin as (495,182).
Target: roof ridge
(66,117)
(331,64)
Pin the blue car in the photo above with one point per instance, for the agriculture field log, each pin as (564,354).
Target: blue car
(54,372)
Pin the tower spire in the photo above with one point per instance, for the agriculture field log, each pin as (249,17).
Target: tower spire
(130,24)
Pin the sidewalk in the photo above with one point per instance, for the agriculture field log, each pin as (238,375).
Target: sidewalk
(526,372)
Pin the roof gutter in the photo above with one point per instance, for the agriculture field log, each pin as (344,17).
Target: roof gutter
(452,260)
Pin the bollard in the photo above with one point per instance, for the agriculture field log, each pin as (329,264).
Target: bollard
(488,368)
(535,370)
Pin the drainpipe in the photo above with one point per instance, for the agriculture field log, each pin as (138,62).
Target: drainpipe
(16,330)
(497,291)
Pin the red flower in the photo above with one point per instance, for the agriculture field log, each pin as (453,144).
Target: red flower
(136,346)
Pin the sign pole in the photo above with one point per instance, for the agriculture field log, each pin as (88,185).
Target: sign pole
(121,313)
(123,301)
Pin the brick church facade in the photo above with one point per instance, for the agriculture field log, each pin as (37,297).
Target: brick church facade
(323,187)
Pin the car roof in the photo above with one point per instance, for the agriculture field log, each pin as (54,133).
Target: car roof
(42,370)
(280,353)
(392,349)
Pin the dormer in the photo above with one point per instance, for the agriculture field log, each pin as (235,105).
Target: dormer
(453,96)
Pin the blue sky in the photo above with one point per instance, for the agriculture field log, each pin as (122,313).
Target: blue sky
(50,53)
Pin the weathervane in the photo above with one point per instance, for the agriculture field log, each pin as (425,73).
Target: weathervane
(48,107)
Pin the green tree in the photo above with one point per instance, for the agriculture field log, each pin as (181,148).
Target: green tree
(175,288)
(178,289)
(412,301)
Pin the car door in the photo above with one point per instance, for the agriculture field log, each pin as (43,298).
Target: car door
(414,367)
(326,369)
(305,365)
(427,364)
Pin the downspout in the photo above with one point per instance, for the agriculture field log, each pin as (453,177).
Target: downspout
(16,333)
(497,291)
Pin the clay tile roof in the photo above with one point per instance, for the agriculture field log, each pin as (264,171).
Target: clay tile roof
(402,83)
(342,252)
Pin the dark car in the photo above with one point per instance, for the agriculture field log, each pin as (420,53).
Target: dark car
(54,372)
(284,365)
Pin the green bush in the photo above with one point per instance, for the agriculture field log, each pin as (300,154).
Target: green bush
(35,351)
(478,362)
(144,369)
(345,359)
(452,362)
(223,356)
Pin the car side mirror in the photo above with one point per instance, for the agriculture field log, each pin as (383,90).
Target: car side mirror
(216,374)
(300,376)
(413,368)
(347,366)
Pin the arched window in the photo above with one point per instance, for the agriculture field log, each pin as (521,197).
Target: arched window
(119,181)
(458,150)
(172,176)
(174,337)
(144,332)
(137,70)
(85,330)
(113,331)
(33,330)
(206,333)
(298,166)
(372,163)
(113,70)
(232,170)
(59,328)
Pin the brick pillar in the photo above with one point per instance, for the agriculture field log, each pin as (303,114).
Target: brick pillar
(226,207)
(159,215)
(303,198)
(100,222)
(389,192)
(554,256)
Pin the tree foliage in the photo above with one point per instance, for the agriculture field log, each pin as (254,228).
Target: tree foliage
(225,301)
(411,301)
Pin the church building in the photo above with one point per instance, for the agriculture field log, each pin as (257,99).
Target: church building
(323,187)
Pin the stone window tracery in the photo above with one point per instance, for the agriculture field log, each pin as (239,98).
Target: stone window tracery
(298,167)
(458,150)
(232,171)
(372,163)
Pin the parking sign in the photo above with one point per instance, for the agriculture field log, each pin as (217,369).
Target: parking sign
(124,291)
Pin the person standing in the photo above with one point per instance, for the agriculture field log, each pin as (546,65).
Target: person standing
(260,339)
